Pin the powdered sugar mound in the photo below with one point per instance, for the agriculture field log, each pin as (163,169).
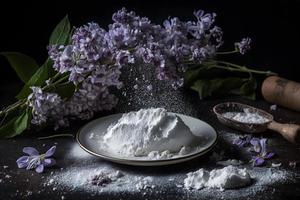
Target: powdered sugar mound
(156,155)
(226,178)
(147,130)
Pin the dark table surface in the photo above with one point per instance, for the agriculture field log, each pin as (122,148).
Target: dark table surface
(21,184)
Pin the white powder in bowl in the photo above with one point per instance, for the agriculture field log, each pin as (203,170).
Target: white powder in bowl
(226,178)
(151,131)
(246,117)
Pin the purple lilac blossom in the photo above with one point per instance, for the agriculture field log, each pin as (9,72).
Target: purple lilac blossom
(35,161)
(242,141)
(260,147)
(244,45)
(45,107)
(95,57)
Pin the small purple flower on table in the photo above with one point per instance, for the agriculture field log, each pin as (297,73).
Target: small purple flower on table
(242,141)
(36,161)
(260,147)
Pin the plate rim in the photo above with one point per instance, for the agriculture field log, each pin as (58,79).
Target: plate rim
(141,162)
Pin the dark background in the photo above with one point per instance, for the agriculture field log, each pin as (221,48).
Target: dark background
(273,26)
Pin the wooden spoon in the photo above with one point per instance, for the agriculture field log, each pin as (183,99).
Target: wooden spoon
(289,131)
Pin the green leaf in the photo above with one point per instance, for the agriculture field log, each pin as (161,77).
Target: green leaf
(15,126)
(24,65)
(248,88)
(61,32)
(38,79)
(205,71)
(222,86)
(65,90)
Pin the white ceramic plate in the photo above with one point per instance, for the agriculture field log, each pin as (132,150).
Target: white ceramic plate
(206,139)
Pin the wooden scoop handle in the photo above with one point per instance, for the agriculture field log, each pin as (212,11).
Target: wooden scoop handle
(290,132)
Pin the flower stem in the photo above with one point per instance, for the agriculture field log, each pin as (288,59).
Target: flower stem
(57,135)
(235,67)
(227,52)
(56,82)
(12,107)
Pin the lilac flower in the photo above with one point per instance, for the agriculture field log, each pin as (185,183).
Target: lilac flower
(45,106)
(95,58)
(242,141)
(36,161)
(243,46)
(260,147)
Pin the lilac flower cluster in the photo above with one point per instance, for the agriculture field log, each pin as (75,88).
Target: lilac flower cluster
(244,45)
(95,57)
(45,106)
(49,107)
(132,38)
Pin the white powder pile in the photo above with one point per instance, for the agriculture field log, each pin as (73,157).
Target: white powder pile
(246,117)
(148,132)
(226,178)
(144,183)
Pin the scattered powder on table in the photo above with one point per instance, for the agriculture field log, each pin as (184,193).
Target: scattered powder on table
(246,117)
(226,178)
(78,178)
(144,183)
(276,164)
(103,178)
(76,152)
(228,162)
(7,176)
(273,107)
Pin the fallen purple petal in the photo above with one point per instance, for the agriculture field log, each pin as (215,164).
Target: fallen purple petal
(48,162)
(242,141)
(269,155)
(30,151)
(258,161)
(22,162)
(263,146)
(40,168)
(50,152)
(255,142)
